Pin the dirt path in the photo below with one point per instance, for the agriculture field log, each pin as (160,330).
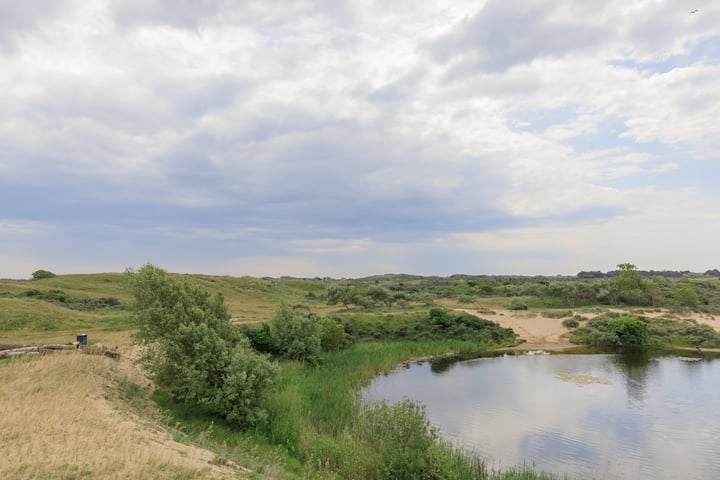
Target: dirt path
(545,333)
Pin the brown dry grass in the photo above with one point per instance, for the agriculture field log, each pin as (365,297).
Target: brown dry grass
(61,417)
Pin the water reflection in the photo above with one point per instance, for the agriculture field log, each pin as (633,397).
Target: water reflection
(635,363)
(634,415)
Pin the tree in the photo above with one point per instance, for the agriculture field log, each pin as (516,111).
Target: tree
(379,294)
(191,349)
(343,294)
(332,336)
(687,297)
(39,274)
(630,286)
(628,278)
(296,336)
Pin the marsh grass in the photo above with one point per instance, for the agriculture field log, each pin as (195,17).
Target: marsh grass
(318,416)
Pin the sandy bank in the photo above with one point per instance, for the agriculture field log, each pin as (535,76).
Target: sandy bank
(541,332)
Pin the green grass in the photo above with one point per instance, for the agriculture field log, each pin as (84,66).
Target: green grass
(313,429)
(315,426)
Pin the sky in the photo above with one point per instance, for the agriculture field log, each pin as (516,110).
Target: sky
(347,138)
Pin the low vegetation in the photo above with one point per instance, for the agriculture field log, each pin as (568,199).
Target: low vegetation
(265,372)
(613,329)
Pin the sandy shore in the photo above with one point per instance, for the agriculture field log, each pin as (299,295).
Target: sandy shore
(545,333)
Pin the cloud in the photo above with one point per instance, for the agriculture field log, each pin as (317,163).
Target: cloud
(502,34)
(246,129)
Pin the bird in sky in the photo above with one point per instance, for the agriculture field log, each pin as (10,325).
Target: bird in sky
(693,11)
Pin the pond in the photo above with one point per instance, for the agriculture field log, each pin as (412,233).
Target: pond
(634,415)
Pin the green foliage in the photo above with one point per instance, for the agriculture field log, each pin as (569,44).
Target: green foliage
(316,416)
(437,324)
(570,323)
(261,338)
(686,296)
(40,274)
(192,351)
(72,302)
(685,333)
(381,295)
(630,330)
(517,304)
(296,336)
(332,335)
(340,294)
(612,329)
(403,441)
(631,288)
(440,317)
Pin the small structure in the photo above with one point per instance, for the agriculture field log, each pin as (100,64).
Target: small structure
(82,340)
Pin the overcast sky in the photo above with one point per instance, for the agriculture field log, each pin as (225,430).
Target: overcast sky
(348,138)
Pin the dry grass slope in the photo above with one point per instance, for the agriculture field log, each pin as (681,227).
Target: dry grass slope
(60,417)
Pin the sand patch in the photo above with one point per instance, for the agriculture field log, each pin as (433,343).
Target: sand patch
(545,333)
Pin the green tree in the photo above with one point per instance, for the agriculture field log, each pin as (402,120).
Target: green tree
(630,286)
(343,294)
(296,336)
(332,335)
(687,297)
(191,349)
(39,274)
(381,295)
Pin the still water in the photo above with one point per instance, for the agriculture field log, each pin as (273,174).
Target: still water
(614,416)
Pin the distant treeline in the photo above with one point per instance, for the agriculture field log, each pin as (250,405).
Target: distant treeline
(648,273)
(626,286)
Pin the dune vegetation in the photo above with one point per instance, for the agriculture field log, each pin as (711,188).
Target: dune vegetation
(68,415)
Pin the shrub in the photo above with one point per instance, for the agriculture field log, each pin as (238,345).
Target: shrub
(39,274)
(192,350)
(570,323)
(440,317)
(686,296)
(630,330)
(466,299)
(296,336)
(332,335)
(403,440)
(612,329)
(517,304)
(261,338)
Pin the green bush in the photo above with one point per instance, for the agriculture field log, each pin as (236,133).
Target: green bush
(332,336)
(612,329)
(403,440)
(296,336)
(192,350)
(686,296)
(630,330)
(261,338)
(570,323)
(39,274)
(440,317)
(517,304)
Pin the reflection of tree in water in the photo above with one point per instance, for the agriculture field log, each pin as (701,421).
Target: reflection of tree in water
(635,364)
(442,365)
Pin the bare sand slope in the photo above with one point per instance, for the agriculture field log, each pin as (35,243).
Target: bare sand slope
(545,333)
(539,332)
(64,416)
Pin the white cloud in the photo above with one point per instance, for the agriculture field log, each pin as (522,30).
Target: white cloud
(363,123)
